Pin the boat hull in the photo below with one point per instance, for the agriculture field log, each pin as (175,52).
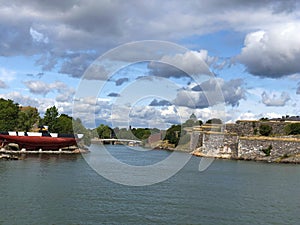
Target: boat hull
(37,143)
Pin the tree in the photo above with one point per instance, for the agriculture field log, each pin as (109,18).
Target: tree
(265,129)
(28,116)
(104,131)
(214,121)
(78,128)
(141,133)
(9,112)
(292,129)
(65,124)
(173,134)
(51,119)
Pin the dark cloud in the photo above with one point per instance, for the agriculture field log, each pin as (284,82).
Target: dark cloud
(298,89)
(52,29)
(75,64)
(155,102)
(197,88)
(121,81)
(113,94)
(274,100)
(165,70)
(194,100)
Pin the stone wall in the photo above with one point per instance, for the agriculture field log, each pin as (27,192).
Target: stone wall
(220,145)
(251,127)
(252,148)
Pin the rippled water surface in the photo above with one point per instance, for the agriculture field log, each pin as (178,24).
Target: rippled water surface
(66,190)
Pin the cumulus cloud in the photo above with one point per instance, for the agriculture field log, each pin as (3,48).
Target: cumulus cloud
(180,65)
(21,99)
(52,28)
(40,87)
(211,92)
(75,64)
(274,99)
(298,89)
(272,53)
(7,75)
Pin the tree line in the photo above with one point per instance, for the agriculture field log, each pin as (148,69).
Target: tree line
(14,117)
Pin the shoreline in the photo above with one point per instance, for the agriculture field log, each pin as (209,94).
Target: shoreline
(295,159)
(19,154)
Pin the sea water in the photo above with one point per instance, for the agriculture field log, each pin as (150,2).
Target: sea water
(64,189)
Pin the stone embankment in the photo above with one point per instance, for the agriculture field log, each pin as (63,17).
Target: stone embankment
(232,146)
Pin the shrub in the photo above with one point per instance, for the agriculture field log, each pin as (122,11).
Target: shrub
(265,129)
(267,151)
(292,129)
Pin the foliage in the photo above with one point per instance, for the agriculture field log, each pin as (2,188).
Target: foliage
(267,151)
(78,128)
(173,134)
(65,124)
(104,131)
(264,119)
(141,133)
(9,112)
(51,119)
(28,116)
(292,129)
(123,133)
(265,129)
(214,121)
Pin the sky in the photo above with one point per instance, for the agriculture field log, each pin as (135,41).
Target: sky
(153,63)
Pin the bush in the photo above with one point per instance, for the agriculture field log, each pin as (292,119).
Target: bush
(265,129)
(267,151)
(292,129)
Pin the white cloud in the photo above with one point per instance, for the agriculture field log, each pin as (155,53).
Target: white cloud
(274,100)
(7,75)
(42,88)
(212,92)
(37,36)
(274,52)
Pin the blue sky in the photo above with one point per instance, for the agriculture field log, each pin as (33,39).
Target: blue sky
(249,52)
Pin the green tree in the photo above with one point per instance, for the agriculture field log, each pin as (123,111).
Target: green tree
(28,116)
(173,134)
(78,128)
(292,129)
(104,131)
(9,112)
(265,129)
(141,133)
(65,124)
(51,119)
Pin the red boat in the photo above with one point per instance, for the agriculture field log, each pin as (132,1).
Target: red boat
(39,141)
